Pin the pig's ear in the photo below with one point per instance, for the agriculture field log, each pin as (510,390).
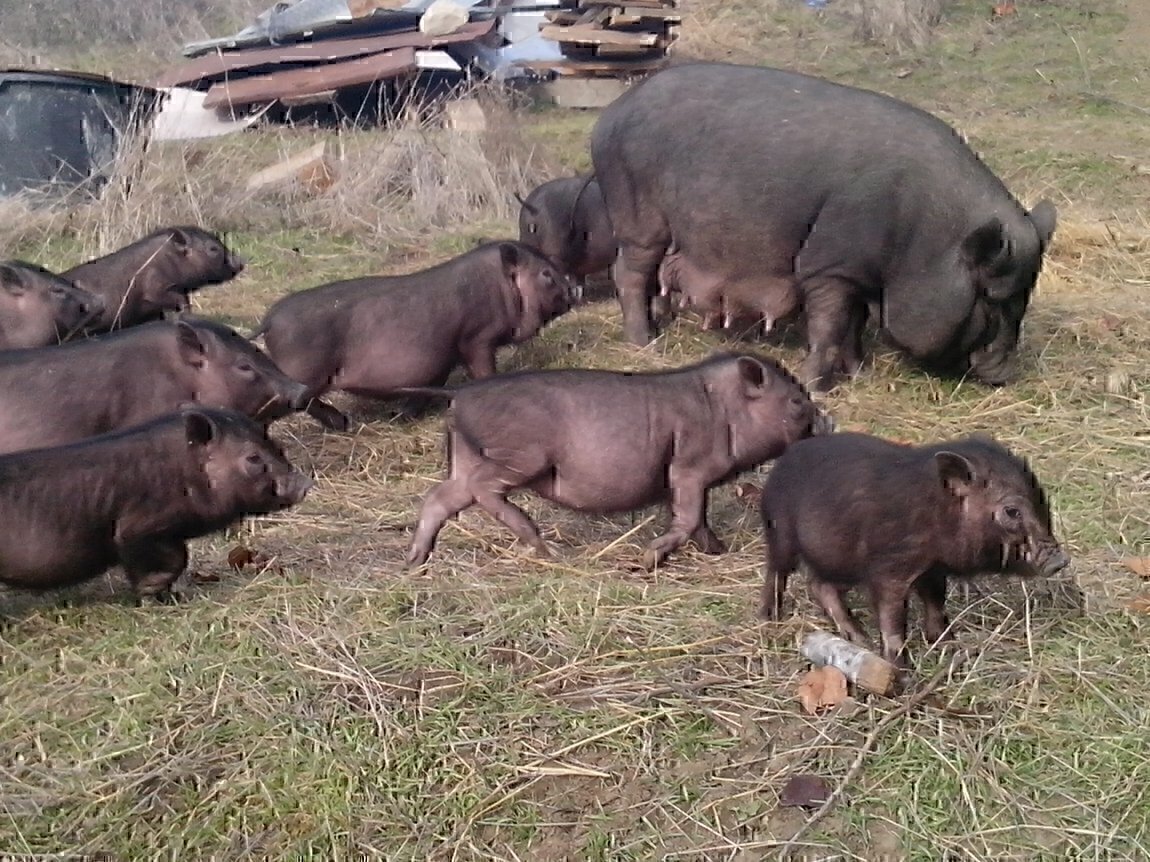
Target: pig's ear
(985,243)
(180,240)
(11,281)
(509,254)
(955,472)
(199,428)
(753,376)
(1044,217)
(529,207)
(192,347)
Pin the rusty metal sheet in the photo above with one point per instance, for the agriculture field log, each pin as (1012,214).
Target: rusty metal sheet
(311,80)
(218,66)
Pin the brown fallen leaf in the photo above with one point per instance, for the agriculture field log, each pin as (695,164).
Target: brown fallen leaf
(904,73)
(205,577)
(1139,566)
(239,556)
(822,688)
(1002,10)
(805,791)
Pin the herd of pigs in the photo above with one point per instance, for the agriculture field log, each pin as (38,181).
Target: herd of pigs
(750,195)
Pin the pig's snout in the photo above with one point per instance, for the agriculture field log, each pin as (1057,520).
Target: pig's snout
(1052,561)
(92,305)
(293,487)
(297,395)
(236,263)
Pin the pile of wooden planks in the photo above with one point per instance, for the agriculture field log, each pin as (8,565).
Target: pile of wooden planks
(610,37)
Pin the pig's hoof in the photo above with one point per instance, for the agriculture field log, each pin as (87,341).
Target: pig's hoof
(652,558)
(417,559)
(708,542)
(542,552)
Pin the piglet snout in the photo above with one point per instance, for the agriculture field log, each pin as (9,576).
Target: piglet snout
(1052,561)
(293,487)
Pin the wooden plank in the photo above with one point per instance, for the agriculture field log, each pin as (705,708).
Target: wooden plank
(631,16)
(218,65)
(295,83)
(586,35)
(646,4)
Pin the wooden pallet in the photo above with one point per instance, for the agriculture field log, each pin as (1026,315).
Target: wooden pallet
(610,30)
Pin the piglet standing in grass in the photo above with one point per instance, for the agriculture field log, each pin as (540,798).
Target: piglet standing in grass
(606,441)
(135,497)
(154,274)
(372,336)
(860,511)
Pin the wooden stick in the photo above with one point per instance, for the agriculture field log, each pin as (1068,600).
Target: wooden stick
(869,743)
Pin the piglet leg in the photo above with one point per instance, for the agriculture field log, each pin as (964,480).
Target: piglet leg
(931,589)
(688,516)
(480,361)
(889,601)
(830,598)
(446,501)
(153,565)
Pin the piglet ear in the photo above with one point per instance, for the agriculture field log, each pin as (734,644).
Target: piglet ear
(955,472)
(199,428)
(180,240)
(11,281)
(510,257)
(753,375)
(192,347)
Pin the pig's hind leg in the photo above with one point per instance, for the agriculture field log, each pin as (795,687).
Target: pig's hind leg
(474,480)
(153,565)
(829,596)
(492,481)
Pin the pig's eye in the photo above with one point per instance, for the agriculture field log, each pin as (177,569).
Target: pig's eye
(1012,513)
(254,460)
(57,291)
(244,367)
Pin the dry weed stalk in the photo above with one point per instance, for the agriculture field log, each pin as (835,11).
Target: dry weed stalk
(897,24)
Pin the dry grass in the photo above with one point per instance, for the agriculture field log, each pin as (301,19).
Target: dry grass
(329,704)
(897,24)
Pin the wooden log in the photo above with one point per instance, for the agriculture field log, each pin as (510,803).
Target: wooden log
(861,666)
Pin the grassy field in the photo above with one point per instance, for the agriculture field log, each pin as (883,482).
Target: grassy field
(325,703)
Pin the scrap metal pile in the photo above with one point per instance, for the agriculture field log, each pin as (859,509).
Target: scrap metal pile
(312,51)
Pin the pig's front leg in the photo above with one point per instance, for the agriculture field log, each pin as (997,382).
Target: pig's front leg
(480,361)
(153,565)
(688,517)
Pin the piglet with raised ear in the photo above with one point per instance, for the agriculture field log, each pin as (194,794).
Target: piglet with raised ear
(155,274)
(373,336)
(863,512)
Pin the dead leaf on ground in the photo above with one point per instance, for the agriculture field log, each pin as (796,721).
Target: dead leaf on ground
(1139,566)
(1003,10)
(805,791)
(239,556)
(904,73)
(205,577)
(822,688)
